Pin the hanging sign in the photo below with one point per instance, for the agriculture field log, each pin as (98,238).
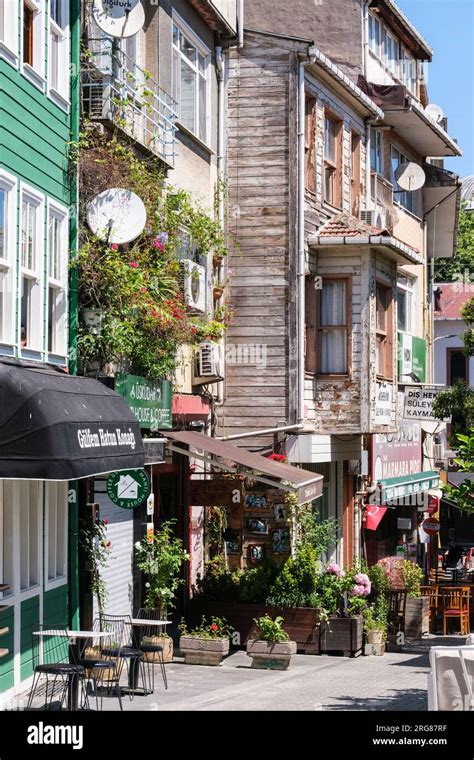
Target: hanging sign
(149,400)
(419,403)
(431,526)
(219,492)
(128,488)
(383,404)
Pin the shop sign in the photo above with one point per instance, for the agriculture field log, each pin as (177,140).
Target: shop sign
(149,400)
(431,526)
(128,488)
(419,403)
(400,488)
(219,492)
(411,358)
(403,523)
(397,454)
(383,404)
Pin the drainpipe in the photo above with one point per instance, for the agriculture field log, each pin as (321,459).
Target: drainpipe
(220,165)
(365,37)
(240,23)
(301,249)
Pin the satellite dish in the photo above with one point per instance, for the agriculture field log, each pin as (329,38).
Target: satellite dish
(122,19)
(116,215)
(410,176)
(434,112)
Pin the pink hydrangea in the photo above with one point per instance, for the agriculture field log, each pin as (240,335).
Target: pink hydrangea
(334,569)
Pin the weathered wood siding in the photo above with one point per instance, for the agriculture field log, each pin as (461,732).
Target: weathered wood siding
(262,205)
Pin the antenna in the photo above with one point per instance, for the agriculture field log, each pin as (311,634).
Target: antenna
(410,176)
(116,215)
(434,112)
(119,20)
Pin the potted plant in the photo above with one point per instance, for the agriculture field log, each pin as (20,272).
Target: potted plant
(376,626)
(342,598)
(160,558)
(272,648)
(217,259)
(218,291)
(207,643)
(403,574)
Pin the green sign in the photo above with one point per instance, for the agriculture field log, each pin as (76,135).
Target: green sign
(149,400)
(128,488)
(408,485)
(411,358)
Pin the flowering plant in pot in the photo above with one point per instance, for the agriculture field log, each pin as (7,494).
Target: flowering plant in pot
(271,649)
(207,643)
(160,558)
(342,596)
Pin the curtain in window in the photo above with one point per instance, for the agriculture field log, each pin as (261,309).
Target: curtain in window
(333,355)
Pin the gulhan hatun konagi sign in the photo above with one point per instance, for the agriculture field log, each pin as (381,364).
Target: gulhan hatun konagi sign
(149,400)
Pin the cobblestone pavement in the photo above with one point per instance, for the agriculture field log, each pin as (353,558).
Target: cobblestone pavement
(396,681)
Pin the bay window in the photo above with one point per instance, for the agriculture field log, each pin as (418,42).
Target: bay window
(333,327)
(33,41)
(31,270)
(57,280)
(384,330)
(7,257)
(9,31)
(58,53)
(191,80)
(375,33)
(332,161)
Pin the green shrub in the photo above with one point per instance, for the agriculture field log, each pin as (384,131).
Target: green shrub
(297,580)
(270,629)
(218,584)
(255,583)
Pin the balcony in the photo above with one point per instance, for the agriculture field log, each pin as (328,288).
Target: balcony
(115,90)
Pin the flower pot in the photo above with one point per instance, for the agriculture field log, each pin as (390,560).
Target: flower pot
(375,637)
(199,651)
(92,318)
(271,655)
(166,642)
(343,635)
(218,293)
(217,261)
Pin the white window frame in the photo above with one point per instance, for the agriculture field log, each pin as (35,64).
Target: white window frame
(36,275)
(8,184)
(406,284)
(35,73)
(59,94)
(201,48)
(53,501)
(399,196)
(59,284)
(9,38)
(18,529)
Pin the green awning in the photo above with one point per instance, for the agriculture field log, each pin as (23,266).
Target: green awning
(398,488)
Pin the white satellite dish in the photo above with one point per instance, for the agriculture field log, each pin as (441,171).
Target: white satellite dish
(410,176)
(119,19)
(434,112)
(116,215)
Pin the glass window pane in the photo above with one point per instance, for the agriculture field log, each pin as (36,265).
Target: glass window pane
(202,61)
(51,319)
(402,310)
(188,96)
(25,310)
(330,140)
(187,48)
(333,303)
(333,353)
(202,108)
(382,305)
(56,12)
(175,35)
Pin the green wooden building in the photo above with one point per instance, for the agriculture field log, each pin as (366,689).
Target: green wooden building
(39,102)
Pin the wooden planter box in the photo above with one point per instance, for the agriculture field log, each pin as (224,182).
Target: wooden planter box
(162,641)
(198,651)
(344,635)
(417,617)
(301,623)
(271,655)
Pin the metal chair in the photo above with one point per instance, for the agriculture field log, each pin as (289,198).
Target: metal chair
(54,659)
(102,661)
(144,637)
(120,626)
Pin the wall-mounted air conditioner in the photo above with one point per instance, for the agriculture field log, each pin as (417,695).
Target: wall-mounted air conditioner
(209,365)
(194,286)
(374,217)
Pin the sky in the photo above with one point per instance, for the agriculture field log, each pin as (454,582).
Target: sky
(448,27)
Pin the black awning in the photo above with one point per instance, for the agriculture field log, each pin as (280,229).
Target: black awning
(55,426)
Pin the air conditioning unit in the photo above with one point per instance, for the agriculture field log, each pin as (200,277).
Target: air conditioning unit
(209,365)
(194,285)
(374,217)
(439,455)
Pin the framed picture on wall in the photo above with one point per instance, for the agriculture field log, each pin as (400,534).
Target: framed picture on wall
(281,541)
(256,553)
(279,512)
(257,525)
(256,501)
(234,546)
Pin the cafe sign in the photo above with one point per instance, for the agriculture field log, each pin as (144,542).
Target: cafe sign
(128,488)
(219,492)
(149,400)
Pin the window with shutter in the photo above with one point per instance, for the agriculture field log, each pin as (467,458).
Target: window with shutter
(311,326)
(310,139)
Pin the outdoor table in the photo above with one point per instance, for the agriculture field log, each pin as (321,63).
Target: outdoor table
(135,662)
(75,638)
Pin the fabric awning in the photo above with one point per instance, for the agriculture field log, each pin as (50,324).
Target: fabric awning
(55,426)
(408,485)
(442,202)
(307,485)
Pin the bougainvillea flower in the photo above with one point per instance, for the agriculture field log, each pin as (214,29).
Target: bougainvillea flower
(114,246)
(134,264)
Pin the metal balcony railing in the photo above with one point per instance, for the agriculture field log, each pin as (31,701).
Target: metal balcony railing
(116,90)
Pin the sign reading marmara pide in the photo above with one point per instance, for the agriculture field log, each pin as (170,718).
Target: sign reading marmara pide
(128,488)
(149,400)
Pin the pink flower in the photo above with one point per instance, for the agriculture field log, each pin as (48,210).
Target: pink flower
(106,522)
(134,264)
(157,243)
(334,569)
(114,247)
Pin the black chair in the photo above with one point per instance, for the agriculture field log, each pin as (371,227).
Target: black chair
(102,661)
(144,637)
(54,661)
(123,645)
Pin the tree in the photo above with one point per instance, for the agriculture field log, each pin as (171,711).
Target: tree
(461,265)
(456,402)
(462,496)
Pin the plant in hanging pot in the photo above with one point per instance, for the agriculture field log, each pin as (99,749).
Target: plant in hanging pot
(207,644)
(160,558)
(218,290)
(271,649)
(217,259)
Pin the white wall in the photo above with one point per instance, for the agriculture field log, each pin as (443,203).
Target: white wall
(448,327)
